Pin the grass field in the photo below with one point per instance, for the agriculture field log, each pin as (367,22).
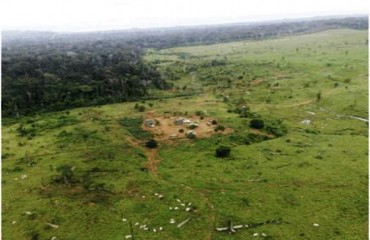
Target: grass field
(82,174)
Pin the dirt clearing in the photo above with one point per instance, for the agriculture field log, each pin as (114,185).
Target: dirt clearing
(178,127)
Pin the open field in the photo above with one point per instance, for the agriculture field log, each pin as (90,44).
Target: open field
(86,173)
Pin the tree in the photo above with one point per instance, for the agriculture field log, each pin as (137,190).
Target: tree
(151,143)
(257,123)
(223,151)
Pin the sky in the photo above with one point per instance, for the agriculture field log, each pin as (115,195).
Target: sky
(92,15)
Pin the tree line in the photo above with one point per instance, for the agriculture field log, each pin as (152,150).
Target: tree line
(59,76)
(46,71)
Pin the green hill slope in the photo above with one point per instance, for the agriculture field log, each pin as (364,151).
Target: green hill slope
(86,173)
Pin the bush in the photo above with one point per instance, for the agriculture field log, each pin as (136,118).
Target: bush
(151,143)
(219,128)
(257,123)
(66,175)
(276,128)
(222,152)
(243,111)
(191,135)
(26,131)
(255,138)
(200,113)
(141,108)
(192,126)
(318,96)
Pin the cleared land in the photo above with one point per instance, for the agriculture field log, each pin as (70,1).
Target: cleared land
(167,129)
(86,173)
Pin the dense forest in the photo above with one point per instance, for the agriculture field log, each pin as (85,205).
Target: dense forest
(55,77)
(46,71)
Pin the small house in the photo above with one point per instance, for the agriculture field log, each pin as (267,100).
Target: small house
(179,121)
(182,121)
(149,122)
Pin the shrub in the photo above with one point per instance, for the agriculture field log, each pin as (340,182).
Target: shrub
(219,128)
(255,138)
(199,113)
(26,131)
(192,126)
(347,80)
(151,143)
(245,112)
(257,123)
(66,175)
(214,122)
(276,128)
(191,135)
(222,152)
(311,131)
(141,108)
(318,96)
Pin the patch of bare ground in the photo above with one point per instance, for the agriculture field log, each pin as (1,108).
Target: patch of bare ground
(258,132)
(166,129)
(151,154)
(256,82)
(152,161)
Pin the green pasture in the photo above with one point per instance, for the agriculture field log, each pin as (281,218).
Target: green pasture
(82,174)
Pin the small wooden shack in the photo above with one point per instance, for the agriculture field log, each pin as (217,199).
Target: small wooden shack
(149,122)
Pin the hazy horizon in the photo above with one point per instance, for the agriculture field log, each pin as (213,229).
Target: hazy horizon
(86,16)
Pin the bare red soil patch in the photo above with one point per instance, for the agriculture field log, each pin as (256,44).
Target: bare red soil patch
(165,128)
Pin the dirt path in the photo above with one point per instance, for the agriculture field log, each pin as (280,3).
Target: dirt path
(152,166)
(151,154)
(152,162)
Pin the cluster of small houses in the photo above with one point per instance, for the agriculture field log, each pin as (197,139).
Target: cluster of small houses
(178,122)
